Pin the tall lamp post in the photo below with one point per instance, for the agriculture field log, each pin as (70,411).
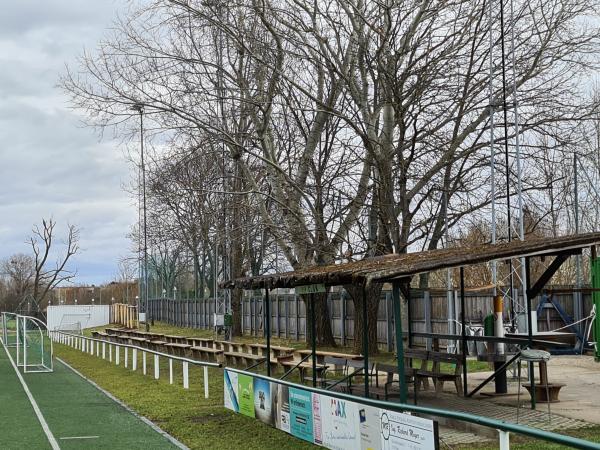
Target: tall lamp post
(144,292)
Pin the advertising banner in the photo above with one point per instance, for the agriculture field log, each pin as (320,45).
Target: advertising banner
(325,420)
(370,427)
(341,424)
(400,431)
(246,394)
(280,401)
(301,414)
(230,386)
(263,410)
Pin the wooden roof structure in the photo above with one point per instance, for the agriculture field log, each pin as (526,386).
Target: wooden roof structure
(396,266)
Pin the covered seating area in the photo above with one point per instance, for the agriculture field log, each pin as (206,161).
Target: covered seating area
(399,270)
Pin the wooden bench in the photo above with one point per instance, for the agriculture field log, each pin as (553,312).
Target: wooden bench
(173,339)
(133,340)
(288,363)
(276,350)
(238,358)
(229,346)
(390,388)
(438,377)
(207,354)
(201,342)
(177,349)
(156,345)
(321,355)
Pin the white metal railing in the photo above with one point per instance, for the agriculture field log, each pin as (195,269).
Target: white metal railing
(98,347)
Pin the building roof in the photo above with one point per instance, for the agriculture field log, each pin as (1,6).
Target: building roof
(395,266)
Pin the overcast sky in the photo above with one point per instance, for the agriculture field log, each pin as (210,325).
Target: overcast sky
(50,165)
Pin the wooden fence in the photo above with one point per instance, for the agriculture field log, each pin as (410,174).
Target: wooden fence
(123,314)
(429,313)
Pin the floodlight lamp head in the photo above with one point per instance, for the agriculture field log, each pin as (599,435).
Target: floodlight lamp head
(139,107)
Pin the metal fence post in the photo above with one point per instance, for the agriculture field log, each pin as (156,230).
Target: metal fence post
(343,308)
(388,321)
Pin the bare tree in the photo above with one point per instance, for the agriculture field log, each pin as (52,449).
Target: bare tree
(47,275)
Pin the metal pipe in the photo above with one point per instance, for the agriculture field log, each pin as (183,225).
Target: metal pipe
(268,329)
(529,330)
(365,339)
(313,339)
(463,330)
(399,342)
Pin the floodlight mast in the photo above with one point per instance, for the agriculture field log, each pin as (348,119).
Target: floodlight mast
(144,292)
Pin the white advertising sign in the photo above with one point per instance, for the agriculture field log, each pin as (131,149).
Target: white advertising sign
(403,431)
(340,428)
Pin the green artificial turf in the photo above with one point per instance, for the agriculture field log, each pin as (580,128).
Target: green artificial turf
(72,408)
(197,422)
(19,426)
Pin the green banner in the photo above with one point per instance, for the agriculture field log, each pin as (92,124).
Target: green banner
(246,394)
(311,289)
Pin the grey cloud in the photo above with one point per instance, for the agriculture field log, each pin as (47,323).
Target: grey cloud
(49,164)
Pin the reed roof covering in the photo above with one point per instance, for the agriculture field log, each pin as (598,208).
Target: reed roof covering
(395,266)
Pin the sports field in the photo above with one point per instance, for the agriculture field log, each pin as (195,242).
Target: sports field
(66,412)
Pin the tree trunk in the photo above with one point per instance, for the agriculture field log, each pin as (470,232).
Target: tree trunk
(373,294)
(323,321)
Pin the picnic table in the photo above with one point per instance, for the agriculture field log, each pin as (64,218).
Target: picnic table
(321,355)
(276,350)
(207,354)
(229,346)
(174,339)
(113,331)
(177,349)
(288,363)
(201,342)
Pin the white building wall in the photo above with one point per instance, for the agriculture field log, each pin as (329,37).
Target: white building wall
(77,317)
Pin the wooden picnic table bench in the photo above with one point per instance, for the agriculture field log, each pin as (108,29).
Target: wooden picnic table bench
(206,353)
(156,345)
(288,363)
(113,331)
(321,355)
(201,342)
(134,340)
(177,349)
(390,387)
(229,346)
(174,339)
(247,359)
(276,350)
(424,372)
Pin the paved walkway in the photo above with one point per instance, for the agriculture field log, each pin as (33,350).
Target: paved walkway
(577,407)
(579,398)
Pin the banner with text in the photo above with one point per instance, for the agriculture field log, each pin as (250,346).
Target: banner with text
(324,420)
